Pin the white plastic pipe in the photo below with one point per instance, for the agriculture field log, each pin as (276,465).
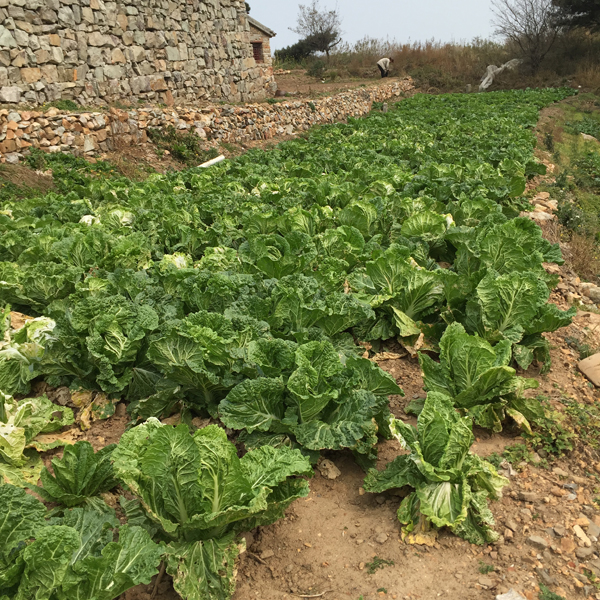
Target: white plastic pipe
(212,162)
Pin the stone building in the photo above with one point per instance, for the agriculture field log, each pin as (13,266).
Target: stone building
(260,39)
(99,51)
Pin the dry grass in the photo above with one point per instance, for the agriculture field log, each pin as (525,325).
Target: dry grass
(437,66)
(552,231)
(588,76)
(584,256)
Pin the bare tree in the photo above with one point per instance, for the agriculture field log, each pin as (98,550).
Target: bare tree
(322,28)
(530,24)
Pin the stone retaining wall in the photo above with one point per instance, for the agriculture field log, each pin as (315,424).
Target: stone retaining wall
(95,51)
(98,132)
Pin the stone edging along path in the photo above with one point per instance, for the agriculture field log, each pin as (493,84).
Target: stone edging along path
(92,133)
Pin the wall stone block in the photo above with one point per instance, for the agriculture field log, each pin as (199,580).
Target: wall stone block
(66,16)
(31,75)
(6,38)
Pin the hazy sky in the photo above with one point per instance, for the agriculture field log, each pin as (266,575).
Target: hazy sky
(404,20)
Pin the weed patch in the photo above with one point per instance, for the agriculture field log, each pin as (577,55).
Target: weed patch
(378,563)
(67,105)
(484,568)
(68,170)
(587,125)
(186,147)
(546,594)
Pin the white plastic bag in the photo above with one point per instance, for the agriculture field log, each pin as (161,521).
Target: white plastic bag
(492,71)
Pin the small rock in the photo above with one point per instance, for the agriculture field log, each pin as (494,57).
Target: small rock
(584,552)
(361,566)
(593,530)
(580,577)
(582,536)
(560,531)
(12,158)
(590,367)
(567,545)
(506,469)
(589,138)
(538,216)
(267,554)
(570,497)
(556,491)
(510,523)
(381,538)
(560,472)
(536,459)
(582,521)
(544,575)
(380,499)
(487,582)
(289,568)
(328,469)
(537,542)
(528,497)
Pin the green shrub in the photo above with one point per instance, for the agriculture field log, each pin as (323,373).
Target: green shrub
(63,105)
(587,170)
(183,146)
(317,69)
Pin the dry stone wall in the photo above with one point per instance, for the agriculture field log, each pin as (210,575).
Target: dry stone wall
(93,133)
(98,51)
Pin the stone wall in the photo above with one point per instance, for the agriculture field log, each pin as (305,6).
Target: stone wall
(99,51)
(94,133)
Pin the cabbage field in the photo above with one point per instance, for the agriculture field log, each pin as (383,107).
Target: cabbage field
(257,292)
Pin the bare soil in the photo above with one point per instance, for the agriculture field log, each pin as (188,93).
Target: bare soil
(25,178)
(300,83)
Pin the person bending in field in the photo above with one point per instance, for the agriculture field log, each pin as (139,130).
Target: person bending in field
(384,66)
